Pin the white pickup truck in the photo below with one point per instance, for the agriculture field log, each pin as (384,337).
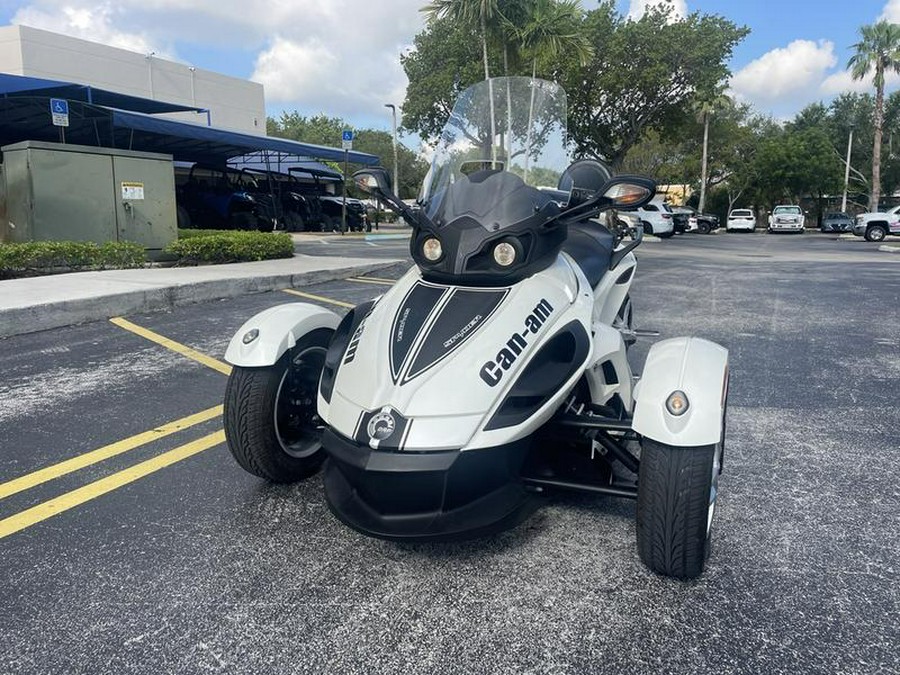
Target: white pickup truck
(787,218)
(877,225)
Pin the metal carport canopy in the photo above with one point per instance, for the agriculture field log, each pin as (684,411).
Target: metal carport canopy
(192,142)
(12,86)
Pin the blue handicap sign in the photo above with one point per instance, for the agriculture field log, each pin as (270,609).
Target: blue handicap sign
(347,135)
(59,106)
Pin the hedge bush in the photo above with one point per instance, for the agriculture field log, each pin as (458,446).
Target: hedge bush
(226,247)
(46,257)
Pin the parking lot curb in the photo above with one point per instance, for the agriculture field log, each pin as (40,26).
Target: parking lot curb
(889,249)
(45,316)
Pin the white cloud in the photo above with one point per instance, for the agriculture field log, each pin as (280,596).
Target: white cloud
(891,11)
(93,22)
(638,8)
(786,74)
(340,57)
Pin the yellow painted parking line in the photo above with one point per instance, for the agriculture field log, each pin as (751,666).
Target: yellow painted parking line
(184,350)
(70,500)
(68,466)
(387,281)
(310,296)
(378,282)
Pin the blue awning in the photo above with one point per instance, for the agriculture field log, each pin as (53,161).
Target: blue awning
(155,134)
(17,85)
(287,164)
(102,118)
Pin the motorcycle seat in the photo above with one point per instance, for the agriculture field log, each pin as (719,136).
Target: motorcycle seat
(591,246)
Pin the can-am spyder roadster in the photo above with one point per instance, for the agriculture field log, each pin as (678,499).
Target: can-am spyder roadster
(494,371)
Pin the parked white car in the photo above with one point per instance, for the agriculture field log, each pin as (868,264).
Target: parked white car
(741,220)
(787,218)
(656,218)
(876,226)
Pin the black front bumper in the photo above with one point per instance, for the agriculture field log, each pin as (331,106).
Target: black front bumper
(426,496)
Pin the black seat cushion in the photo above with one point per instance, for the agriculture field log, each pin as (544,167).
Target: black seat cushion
(591,246)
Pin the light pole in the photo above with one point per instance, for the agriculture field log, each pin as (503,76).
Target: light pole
(847,171)
(396,176)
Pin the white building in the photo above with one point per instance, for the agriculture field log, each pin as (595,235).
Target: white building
(233,103)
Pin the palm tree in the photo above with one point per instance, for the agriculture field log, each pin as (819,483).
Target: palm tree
(482,14)
(879,49)
(552,28)
(705,108)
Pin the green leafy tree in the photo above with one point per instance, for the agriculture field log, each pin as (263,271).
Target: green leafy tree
(324,130)
(878,51)
(443,63)
(644,74)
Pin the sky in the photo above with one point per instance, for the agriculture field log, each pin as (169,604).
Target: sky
(342,57)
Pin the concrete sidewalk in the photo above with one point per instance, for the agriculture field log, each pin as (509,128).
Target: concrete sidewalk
(40,303)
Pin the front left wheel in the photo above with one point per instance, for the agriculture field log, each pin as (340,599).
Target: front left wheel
(271,421)
(677,490)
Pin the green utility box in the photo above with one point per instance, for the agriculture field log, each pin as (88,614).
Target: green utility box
(80,193)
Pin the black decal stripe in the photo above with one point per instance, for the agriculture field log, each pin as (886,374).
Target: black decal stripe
(411,317)
(464,313)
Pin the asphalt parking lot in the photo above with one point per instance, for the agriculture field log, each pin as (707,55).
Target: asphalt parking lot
(132,543)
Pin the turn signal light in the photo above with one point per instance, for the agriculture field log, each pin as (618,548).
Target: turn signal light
(677,403)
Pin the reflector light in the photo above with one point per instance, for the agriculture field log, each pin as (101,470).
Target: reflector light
(250,336)
(677,403)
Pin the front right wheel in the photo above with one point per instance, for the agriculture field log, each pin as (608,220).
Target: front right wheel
(271,420)
(677,490)
(876,233)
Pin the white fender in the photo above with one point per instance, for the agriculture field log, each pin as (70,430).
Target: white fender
(697,367)
(278,329)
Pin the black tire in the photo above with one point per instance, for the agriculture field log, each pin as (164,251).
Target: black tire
(274,432)
(876,233)
(293,222)
(242,220)
(676,501)
(703,227)
(648,228)
(183,218)
(329,224)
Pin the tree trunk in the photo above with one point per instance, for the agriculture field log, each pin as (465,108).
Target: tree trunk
(530,120)
(875,193)
(487,76)
(702,203)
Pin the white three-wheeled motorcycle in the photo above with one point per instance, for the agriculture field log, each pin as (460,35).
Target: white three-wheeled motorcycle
(495,371)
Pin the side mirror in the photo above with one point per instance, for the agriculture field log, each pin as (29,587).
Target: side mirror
(583,179)
(375,181)
(629,192)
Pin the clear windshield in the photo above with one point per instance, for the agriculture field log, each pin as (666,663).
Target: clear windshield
(516,125)
(790,210)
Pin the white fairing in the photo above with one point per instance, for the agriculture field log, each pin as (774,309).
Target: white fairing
(278,329)
(698,368)
(444,357)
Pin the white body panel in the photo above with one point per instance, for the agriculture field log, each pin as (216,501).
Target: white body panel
(741,219)
(279,329)
(698,368)
(450,402)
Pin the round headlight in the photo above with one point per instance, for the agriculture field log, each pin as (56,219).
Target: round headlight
(504,254)
(431,249)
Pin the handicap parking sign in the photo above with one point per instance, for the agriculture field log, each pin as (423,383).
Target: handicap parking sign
(347,139)
(59,110)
